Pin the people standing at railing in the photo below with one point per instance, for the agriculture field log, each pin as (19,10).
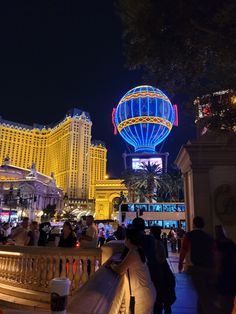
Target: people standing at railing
(33,234)
(44,230)
(111,236)
(90,238)
(79,229)
(68,237)
(20,233)
(108,230)
(120,232)
(165,284)
(141,284)
(101,237)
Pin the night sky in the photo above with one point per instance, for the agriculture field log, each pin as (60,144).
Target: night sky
(56,55)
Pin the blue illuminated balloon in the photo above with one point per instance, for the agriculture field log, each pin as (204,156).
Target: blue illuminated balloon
(144,117)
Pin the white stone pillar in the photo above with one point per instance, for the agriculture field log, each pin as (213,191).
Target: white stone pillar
(209,169)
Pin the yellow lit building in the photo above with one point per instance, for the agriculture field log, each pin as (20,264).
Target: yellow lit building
(98,164)
(62,148)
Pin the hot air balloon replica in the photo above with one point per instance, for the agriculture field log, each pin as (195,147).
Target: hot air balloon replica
(144,118)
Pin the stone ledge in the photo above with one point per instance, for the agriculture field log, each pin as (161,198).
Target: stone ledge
(27,294)
(20,303)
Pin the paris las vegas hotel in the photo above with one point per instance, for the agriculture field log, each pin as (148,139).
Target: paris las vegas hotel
(63,148)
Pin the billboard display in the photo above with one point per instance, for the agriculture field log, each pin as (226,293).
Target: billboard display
(137,163)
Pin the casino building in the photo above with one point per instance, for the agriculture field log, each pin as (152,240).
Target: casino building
(98,165)
(63,148)
(26,192)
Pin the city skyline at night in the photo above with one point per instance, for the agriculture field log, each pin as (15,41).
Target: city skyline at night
(48,68)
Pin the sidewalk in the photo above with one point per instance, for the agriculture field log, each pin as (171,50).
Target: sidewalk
(186,302)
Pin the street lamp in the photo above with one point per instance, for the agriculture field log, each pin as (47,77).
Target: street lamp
(9,200)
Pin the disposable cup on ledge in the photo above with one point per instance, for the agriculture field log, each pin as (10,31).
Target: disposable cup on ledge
(60,288)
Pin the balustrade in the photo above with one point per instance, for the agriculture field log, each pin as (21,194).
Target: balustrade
(25,274)
(33,267)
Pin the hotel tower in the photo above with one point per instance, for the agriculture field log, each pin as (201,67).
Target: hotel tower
(62,148)
(98,163)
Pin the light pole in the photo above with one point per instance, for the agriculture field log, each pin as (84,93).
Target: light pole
(10,195)
(11,200)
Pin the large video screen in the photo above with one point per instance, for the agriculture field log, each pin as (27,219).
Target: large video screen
(137,163)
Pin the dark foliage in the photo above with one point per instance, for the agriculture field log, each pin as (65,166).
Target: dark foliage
(185,47)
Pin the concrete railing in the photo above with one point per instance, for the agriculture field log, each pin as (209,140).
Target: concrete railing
(25,272)
(105,293)
(34,267)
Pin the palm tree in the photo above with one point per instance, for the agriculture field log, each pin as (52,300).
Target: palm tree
(171,186)
(149,179)
(149,183)
(143,183)
(131,178)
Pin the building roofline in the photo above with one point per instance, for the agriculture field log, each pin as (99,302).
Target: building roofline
(73,112)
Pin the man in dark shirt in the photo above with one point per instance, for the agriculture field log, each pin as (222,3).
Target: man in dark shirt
(200,246)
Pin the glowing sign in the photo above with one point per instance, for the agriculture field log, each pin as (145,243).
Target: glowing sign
(144,117)
(137,163)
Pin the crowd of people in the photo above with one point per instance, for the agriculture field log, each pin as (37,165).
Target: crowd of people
(211,262)
(24,234)
(176,236)
(84,233)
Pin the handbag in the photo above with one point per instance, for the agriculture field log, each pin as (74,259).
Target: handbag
(132,298)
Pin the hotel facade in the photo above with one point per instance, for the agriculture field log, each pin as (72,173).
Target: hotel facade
(98,164)
(62,149)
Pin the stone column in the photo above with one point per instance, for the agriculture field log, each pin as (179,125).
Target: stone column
(208,166)
(32,210)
